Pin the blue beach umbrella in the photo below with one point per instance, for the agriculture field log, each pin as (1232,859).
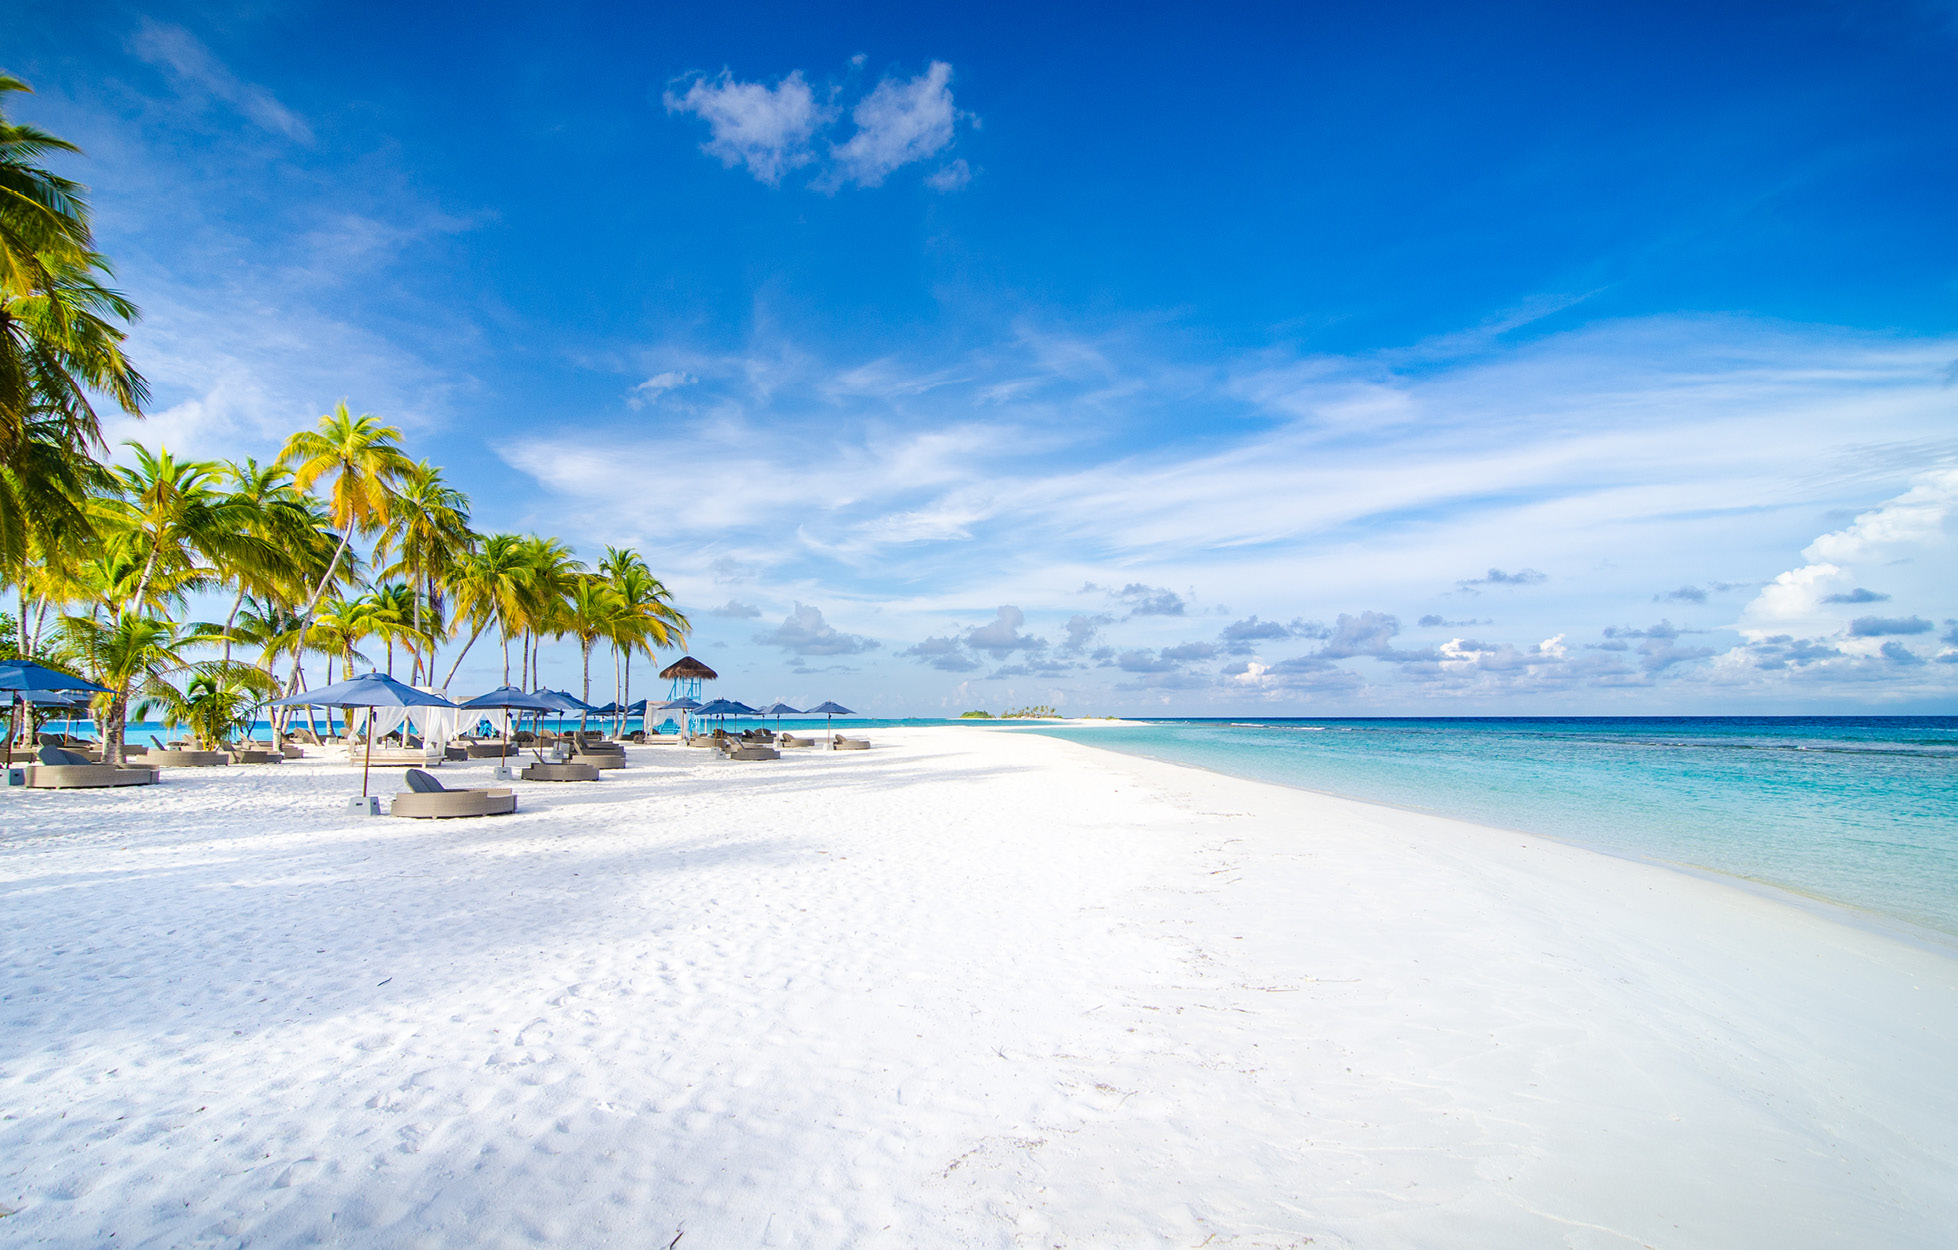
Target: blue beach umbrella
(778,710)
(368,690)
(829,709)
(512,699)
(22,677)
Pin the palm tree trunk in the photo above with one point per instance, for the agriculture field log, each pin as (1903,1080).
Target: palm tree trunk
(313,600)
(465,652)
(237,603)
(21,627)
(586,695)
(506,656)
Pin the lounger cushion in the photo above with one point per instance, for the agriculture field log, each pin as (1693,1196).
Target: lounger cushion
(57,755)
(422,783)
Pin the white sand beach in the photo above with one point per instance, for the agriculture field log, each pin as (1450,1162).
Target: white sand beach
(970,988)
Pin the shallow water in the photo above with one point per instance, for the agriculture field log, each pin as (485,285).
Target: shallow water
(1858,810)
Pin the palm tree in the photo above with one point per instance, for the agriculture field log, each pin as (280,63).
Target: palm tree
(429,528)
(551,570)
(218,700)
(264,501)
(337,630)
(392,611)
(591,610)
(58,337)
(177,514)
(648,618)
(491,585)
(130,652)
(363,460)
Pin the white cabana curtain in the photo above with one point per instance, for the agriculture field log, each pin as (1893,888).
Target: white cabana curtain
(436,725)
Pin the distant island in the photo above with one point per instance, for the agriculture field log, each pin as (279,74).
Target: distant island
(1042,712)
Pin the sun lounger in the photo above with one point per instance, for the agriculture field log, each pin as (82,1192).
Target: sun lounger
(790,740)
(428,799)
(253,755)
(60,769)
(753,751)
(559,772)
(852,744)
(491,750)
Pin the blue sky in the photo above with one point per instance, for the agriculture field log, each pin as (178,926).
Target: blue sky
(1439,359)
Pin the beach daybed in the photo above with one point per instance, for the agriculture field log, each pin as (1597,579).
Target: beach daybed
(491,750)
(852,744)
(559,772)
(255,755)
(790,740)
(172,758)
(61,769)
(752,751)
(428,799)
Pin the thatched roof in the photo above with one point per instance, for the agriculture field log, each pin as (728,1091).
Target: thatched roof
(687,666)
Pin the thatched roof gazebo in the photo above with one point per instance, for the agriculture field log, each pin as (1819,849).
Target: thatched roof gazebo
(686,674)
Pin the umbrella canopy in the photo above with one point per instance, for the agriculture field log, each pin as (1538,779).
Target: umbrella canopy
(610,709)
(827,708)
(511,699)
(55,698)
(678,705)
(779,708)
(366,690)
(570,702)
(24,676)
(27,675)
(727,707)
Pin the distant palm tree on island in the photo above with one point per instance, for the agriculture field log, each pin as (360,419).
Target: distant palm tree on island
(343,541)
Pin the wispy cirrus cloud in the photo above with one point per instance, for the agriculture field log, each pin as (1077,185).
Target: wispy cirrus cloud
(193,68)
(1619,456)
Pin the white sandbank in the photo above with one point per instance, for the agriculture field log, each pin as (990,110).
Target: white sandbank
(971,988)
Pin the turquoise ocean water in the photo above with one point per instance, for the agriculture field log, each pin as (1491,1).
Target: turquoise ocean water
(1855,810)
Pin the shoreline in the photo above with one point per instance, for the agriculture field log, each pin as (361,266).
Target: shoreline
(1843,911)
(969,989)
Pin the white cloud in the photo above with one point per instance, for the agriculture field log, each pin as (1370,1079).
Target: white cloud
(659,384)
(767,129)
(900,121)
(950,177)
(1900,541)
(192,67)
(1621,458)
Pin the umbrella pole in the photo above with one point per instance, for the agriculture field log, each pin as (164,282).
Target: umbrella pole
(367,763)
(13,708)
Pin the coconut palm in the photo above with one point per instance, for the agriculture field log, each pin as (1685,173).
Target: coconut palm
(591,612)
(179,517)
(337,629)
(490,586)
(551,570)
(59,341)
(266,503)
(360,460)
(647,618)
(428,532)
(217,701)
(129,653)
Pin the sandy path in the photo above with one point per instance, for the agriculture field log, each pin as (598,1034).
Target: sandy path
(971,988)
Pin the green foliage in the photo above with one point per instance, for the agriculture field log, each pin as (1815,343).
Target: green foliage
(1037,712)
(976,716)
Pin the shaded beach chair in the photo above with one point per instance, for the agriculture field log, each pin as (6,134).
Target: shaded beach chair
(428,799)
(57,768)
(851,744)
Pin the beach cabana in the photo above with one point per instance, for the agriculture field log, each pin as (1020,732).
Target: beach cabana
(685,707)
(377,693)
(686,674)
(21,677)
